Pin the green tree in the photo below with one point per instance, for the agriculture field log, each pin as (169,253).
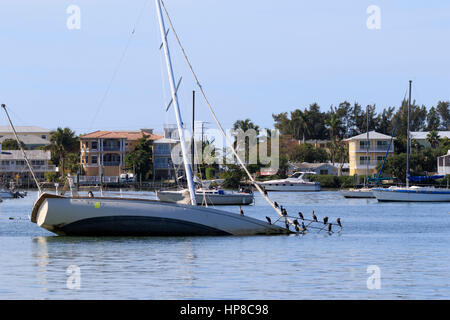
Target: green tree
(11,144)
(63,142)
(141,157)
(433,139)
(443,108)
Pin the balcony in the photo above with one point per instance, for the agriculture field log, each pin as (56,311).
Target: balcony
(111,148)
(111,163)
(24,168)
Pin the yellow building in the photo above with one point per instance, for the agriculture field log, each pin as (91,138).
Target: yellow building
(360,160)
(103,152)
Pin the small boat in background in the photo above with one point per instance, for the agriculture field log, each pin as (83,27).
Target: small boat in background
(206,196)
(295,182)
(11,194)
(358,193)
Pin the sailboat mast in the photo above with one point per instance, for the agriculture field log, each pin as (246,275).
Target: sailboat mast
(367,146)
(408,140)
(176,107)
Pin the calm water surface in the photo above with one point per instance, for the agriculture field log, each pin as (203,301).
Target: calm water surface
(410,243)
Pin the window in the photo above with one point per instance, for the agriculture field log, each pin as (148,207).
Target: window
(20,162)
(364,159)
(363,144)
(161,163)
(94,159)
(94,145)
(323,171)
(5,162)
(382,144)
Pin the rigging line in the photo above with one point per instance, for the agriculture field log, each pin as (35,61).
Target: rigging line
(116,69)
(23,152)
(215,118)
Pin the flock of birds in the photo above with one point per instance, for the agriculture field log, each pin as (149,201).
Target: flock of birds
(301,228)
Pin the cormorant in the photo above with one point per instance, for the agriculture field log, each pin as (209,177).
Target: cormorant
(301,215)
(269,220)
(275,204)
(314,216)
(303,226)
(241,211)
(339,222)
(329,227)
(283,212)
(325,220)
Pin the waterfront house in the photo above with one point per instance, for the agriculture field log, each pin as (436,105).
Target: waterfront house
(32,136)
(359,161)
(14,168)
(443,164)
(421,137)
(163,166)
(104,152)
(319,168)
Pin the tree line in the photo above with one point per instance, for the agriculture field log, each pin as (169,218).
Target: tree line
(347,120)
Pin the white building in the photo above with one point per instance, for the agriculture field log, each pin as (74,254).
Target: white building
(443,164)
(13,166)
(421,137)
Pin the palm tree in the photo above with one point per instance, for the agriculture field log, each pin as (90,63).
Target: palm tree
(299,123)
(433,139)
(63,142)
(245,125)
(333,124)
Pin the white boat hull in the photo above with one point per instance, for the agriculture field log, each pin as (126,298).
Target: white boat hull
(307,187)
(211,199)
(411,195)
(138,217)
(358,193)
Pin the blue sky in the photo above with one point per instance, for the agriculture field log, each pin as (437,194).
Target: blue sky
(254,58)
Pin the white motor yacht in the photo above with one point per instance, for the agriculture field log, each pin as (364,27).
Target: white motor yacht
(295,182)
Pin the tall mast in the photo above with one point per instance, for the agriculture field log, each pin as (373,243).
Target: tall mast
(176,107)
(367,146)
(193,129)
(408,143)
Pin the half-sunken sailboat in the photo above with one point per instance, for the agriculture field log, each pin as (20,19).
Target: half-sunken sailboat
(109,216)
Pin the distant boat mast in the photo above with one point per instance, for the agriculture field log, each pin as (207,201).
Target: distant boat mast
(408,140)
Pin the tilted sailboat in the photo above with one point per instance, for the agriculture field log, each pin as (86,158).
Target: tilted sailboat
(413,193)
(109,216)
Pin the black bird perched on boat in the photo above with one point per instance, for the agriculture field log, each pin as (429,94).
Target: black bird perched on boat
(241,211)
(265,192)
(269,220)
(314,216)
(283,211)
(287,225)
(339,222)
(325,220)
(303,226)
(90,194)
(275,204)
(301,215)
(329,227)
(297,228)
(295,222)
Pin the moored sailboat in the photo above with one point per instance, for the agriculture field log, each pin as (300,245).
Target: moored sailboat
(411,193)
(78,215)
